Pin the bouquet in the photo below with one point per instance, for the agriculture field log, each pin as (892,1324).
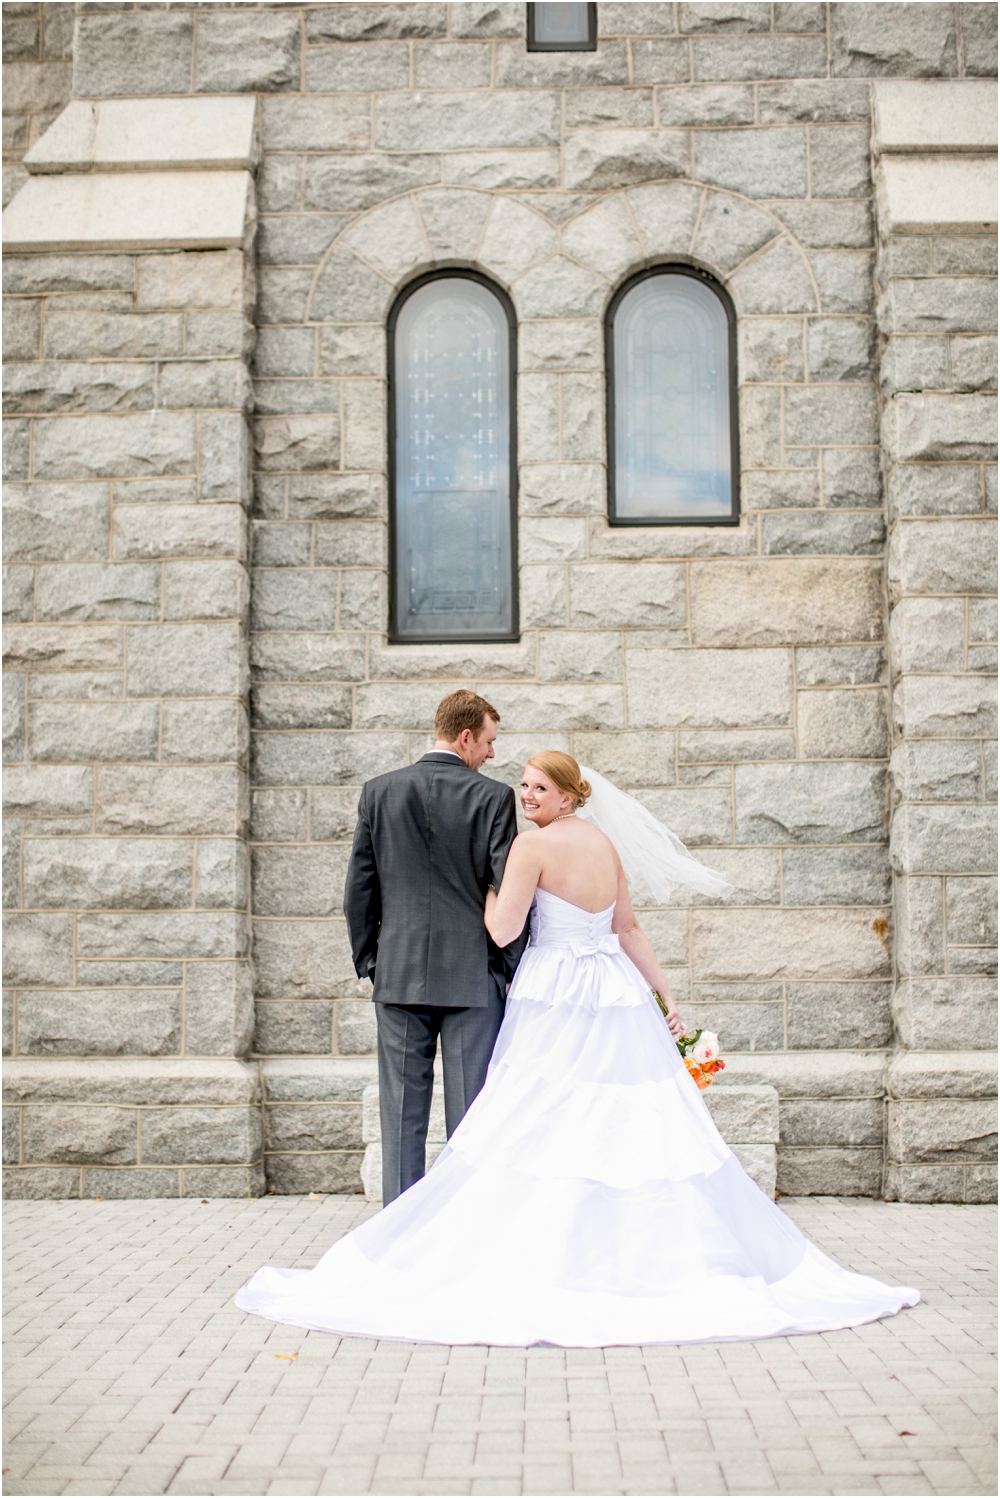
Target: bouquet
(699,1051)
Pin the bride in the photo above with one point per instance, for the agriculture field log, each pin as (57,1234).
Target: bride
(587,1198)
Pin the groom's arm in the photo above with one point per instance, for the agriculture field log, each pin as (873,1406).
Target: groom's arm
(502,835)
(363,897)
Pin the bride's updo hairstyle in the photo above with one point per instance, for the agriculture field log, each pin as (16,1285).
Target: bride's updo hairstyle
(564,772)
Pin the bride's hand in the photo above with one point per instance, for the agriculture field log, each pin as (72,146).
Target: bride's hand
(675,1024)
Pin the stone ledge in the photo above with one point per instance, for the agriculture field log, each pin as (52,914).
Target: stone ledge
(936,195)
(143,1083)
(811,1073)
(943,1074)
(124,212)
(149,135)
(934,116)
(744,1113)
(130,1182)
(940,1183)
(318,1081)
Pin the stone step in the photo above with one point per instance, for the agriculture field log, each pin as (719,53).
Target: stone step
(116,1127)
(313,1133)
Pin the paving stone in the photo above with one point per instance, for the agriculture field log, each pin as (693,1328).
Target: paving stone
(205,1250)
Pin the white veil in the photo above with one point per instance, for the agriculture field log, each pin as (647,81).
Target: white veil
(654,859)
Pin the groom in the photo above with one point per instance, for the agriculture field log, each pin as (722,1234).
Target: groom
(430,841)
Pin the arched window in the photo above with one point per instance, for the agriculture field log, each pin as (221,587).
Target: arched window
(672,422)
(452,461)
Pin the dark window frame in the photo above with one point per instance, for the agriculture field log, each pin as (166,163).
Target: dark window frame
(450,273)
(590,45)
(673,269)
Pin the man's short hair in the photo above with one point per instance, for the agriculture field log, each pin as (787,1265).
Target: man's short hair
(459,711)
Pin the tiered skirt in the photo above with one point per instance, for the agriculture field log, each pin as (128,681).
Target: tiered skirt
(586,1200)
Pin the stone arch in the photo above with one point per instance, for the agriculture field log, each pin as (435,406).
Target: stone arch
(746,247)
(567,271)
(374,257)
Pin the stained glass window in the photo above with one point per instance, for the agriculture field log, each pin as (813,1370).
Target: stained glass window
(672,442)
(452,532)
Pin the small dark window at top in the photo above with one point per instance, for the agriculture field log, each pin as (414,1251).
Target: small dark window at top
(562,28)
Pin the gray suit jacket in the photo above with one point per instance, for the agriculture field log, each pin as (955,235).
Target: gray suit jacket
(430,840)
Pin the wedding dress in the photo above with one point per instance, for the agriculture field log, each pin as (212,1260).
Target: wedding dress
(587,1198)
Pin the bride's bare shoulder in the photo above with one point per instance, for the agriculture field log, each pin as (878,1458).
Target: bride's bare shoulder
(525,846)
(584,839)
(596,837)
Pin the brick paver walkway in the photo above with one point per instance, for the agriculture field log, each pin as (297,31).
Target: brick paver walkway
(130,1371)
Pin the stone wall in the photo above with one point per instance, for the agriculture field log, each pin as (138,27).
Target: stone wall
(937,319)
(37,78)
(128,998)
(736,680)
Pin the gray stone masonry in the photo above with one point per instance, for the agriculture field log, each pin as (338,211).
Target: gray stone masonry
(743,683)
(129,1370)
(37,78)
(128,995)
(937,341)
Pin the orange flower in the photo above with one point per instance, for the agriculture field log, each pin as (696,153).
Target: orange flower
(703,1074)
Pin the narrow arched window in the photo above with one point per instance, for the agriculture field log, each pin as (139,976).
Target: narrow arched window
(672,421)
(452,461)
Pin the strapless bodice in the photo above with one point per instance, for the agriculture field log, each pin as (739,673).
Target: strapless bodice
(557,923)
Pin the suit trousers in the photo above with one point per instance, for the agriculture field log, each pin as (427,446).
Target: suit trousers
(408,1036)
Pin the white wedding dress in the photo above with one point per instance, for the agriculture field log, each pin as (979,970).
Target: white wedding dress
(587,1198)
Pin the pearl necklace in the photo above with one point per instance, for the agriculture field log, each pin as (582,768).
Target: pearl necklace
(561,815)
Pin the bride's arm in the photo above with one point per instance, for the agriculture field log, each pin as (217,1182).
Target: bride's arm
(635,944)
(507,911)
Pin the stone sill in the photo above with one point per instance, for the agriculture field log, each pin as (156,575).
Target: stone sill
(136,1081)
(935,115)
(943,1074)
(149,135)
(122,213)
(936,195)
